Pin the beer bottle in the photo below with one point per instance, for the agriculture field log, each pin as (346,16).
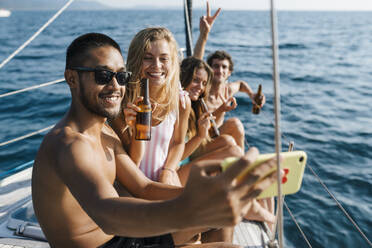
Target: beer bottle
(143,118)
(258,99)
(213,130)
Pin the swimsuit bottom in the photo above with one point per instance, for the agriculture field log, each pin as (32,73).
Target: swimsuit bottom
(164,241)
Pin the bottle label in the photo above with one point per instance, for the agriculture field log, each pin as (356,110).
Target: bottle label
(145,108)
(143,125)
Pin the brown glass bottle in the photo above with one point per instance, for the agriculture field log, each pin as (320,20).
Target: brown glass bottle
(143,118)
(258,99)
(213,130)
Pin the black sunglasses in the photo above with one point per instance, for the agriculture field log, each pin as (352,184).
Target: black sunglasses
(104,76)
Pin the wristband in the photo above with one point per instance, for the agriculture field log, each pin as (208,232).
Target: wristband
(168,169)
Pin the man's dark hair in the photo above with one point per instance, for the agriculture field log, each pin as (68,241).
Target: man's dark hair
(220,55)
(78,49)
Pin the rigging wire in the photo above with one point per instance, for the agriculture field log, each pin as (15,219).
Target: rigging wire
(341,208)
(339,205)
(35,35)
(298,226)
(32,87)
(26,136)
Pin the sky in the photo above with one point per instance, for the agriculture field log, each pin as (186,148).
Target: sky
(338,5)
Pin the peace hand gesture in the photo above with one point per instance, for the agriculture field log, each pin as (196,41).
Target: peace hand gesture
(206,22)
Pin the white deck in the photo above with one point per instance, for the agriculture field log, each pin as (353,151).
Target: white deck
(15,191)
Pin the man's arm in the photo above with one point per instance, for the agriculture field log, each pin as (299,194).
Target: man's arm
(205,26)
(97,196)
(241,86)
(224,206)
(132,178)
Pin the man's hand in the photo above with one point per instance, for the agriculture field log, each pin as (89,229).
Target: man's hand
(219,201)
(263,99)
(228,104)
(206,22)
(205,26)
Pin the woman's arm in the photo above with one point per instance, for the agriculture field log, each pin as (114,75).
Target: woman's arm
(121,126)
(177,145)
(203,124)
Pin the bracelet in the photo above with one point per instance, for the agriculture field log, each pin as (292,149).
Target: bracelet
(168,169)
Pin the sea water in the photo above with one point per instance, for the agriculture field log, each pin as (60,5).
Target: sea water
(326,97)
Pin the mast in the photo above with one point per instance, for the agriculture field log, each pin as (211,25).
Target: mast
(188,25)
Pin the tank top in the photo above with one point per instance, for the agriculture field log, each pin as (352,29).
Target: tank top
(156,149)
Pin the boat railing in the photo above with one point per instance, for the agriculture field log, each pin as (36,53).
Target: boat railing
(30,163)
(18,50)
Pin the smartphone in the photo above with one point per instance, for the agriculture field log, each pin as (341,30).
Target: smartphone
(293,164)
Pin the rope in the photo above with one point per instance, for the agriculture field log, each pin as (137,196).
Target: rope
(26,136)
(298,226)
(33,87)
(35,35)
(278,146)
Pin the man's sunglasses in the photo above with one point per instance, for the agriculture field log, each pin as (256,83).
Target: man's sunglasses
(104,76)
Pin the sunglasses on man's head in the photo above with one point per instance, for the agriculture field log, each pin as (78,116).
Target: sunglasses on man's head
(104,76)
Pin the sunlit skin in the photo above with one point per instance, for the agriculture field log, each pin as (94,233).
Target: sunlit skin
(101,99)
(221,70)
(198,84)
(157,64)
(67,224)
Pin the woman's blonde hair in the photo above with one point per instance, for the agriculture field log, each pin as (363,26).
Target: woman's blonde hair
(167,101)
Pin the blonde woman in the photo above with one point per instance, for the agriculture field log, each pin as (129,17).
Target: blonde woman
(153,54)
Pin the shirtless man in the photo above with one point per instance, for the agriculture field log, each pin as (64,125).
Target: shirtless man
(221,95)
(221,100)
(73,178)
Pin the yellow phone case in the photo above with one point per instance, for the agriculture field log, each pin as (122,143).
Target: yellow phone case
(293,164)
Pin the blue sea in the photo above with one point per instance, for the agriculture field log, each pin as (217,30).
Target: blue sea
(326,97)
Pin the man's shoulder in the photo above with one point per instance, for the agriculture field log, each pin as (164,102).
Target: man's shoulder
(234,87)
(110,134)
(57,144)
(64,136)
(63,140)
